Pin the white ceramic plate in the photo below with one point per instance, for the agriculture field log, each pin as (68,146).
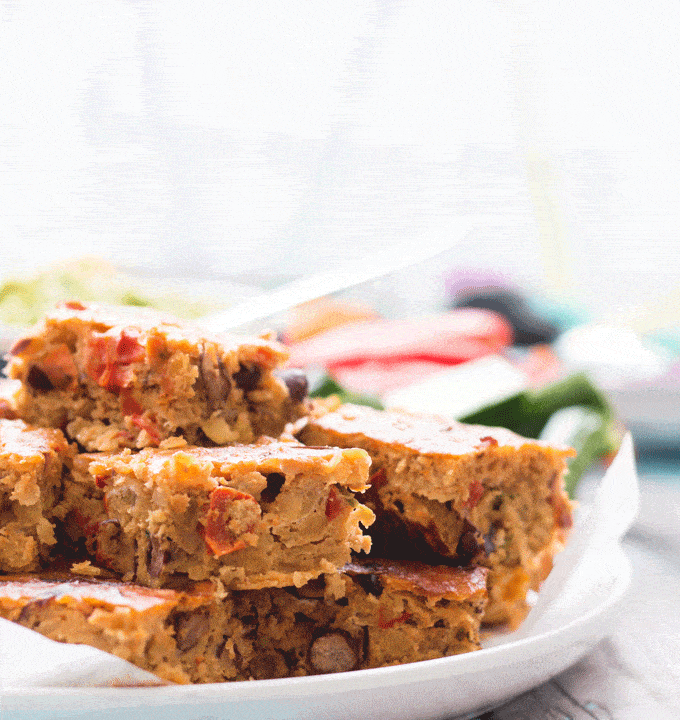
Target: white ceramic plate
(445,688)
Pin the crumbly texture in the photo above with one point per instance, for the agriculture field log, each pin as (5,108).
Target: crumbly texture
(470,494)
(373,614)
(269,514)
(31,465)
(180,635)
(115,377)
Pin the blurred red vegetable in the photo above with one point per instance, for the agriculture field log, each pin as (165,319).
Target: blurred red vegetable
(379,355)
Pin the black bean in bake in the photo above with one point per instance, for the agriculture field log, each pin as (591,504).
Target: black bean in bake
(373,614)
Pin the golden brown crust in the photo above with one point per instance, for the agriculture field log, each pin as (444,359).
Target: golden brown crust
(110,318)
(207,467)
(432,580)
(423,434)
(22,443)
(269,456)
(31,480)
(177,634)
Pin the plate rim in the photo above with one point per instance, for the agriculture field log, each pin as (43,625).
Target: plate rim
(452,667)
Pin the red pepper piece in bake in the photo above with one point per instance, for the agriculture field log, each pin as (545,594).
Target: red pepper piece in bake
(378,478)
(476,492)
(109,359)
(128,349)
(101,480)
(116,377)
(231,514)
(334,504)
(385,624)
(87,526)
(128,404)
(145,424)
(97,356)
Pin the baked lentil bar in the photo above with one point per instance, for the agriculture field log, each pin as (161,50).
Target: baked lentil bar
(183,636)
(470,494)
(375,613)
(386,614)
(248,516)
(115,377)
(31,467)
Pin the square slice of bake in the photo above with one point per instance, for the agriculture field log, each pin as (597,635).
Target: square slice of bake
(116,377)
(31,467)
(373,614)
(180,635)
(269,514)
(471,494)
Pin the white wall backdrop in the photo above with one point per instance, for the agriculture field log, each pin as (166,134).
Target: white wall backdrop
(229,138)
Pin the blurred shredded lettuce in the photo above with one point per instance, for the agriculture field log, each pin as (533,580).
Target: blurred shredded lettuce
(24,300)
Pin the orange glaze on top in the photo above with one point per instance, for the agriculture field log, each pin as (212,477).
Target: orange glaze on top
(434,580)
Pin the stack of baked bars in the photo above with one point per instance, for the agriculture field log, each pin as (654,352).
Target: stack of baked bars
(174,498)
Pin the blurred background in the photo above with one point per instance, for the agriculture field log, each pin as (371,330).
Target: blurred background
(192,155)
(224,148)
(259,139)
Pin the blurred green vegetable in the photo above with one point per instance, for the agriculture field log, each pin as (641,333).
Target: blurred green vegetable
(23,301)
(327,386)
